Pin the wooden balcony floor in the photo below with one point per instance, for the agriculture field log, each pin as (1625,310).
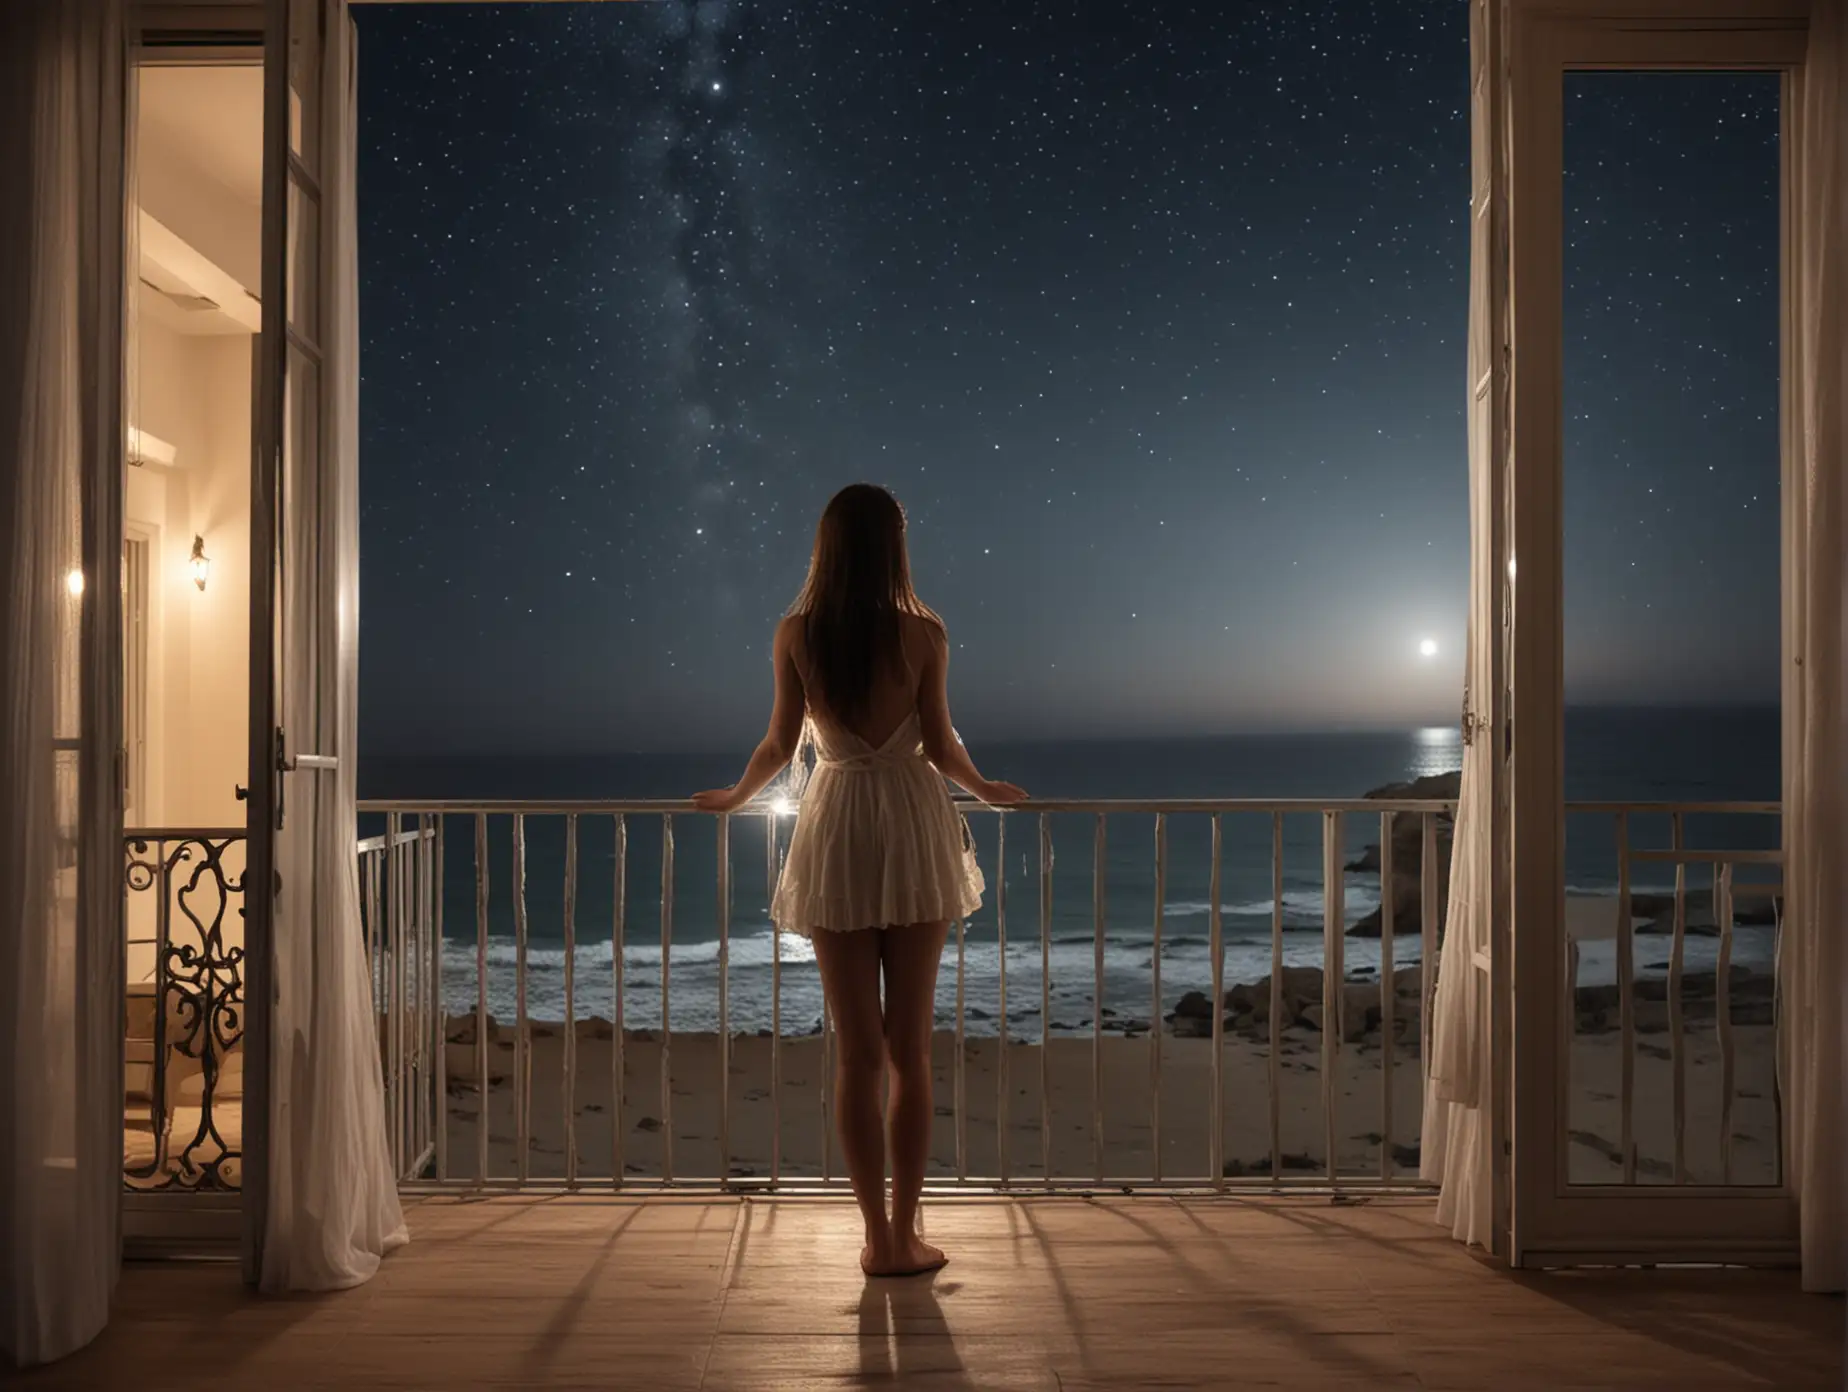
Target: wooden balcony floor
(1054,1293)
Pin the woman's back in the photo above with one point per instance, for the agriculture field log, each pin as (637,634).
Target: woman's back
(892,699)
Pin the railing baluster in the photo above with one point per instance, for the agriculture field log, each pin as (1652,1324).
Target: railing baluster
(570,1098)
(1045,869)
(378,896)
(410,887)
(163,938)
(957,1085)
(1276,1000)
(1216,1143)
(618,960)
(1722,1010)
(826,1075)
(1333,983)
(1429,907)
(378,972)
(618,1043)
(776,1004)
(375,957)
(394,990)
(667,1028)
(1001,1099)
(724,890)
(1155,1015)
(1388,989)
(481,998)
(522,1037)
(1676,1043)
(1625,971)
(1097,1002)
(407,1038)
(423,1150)
(440,1102)
(409,884)
(416,920)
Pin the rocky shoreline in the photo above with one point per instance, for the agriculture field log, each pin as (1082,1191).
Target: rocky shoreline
(1408,855)
(1246,1010)
(1247,1006)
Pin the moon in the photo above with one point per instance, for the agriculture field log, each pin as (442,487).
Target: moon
(1427,647)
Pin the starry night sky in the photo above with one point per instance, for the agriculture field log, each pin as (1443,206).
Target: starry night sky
(1152,316)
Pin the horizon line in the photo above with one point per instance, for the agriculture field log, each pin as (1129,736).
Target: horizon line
(1249,732)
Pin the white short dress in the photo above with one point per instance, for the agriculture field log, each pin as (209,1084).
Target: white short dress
(877,840)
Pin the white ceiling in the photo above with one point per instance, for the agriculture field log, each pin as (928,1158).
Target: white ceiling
(199,181)
(213,118)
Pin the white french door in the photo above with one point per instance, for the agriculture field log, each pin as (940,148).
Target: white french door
(290,461)
(1553,1219)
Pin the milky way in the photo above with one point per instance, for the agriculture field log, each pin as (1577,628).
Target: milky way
(1152,315)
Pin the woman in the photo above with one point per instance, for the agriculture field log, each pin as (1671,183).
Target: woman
(880,861)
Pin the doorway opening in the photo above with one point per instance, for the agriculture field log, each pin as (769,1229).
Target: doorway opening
(195,225)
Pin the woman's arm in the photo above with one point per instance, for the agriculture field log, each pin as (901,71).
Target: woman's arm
(941,744)
(778,746)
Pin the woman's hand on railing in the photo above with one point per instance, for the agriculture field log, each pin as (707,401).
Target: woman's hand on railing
(1000,794)
(718,800)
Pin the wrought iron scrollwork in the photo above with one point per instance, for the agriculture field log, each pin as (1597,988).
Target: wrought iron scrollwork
(197,1006)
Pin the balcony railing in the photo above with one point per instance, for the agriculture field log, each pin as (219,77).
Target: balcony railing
(401,904)
(1082,1044)
(1217,1122)
(1742,908)
(184,1030)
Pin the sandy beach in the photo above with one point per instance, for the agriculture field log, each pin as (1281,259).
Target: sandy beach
(1129,1099)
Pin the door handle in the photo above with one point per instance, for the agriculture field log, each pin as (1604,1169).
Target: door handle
(326,763)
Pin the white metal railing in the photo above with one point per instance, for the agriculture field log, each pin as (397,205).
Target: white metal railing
(407,946)
(413,1007)
(1726,892)
(400,895)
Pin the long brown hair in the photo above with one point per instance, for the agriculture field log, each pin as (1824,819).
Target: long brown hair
(853,602)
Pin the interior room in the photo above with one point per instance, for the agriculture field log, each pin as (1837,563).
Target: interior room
(197,231)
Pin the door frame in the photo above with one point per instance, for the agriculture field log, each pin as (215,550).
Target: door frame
(1553,1222)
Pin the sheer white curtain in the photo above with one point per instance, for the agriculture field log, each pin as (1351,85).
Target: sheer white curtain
(1455,1149)
(1813,957)
(63,109)
(333,1203)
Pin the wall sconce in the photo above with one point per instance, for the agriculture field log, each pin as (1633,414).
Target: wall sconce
(201,564)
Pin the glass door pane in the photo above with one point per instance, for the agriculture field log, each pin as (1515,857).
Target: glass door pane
(1671,464)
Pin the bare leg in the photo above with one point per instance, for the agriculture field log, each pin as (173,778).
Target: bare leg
(849,965)
(910,955)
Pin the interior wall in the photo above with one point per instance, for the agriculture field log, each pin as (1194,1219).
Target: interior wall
(194,393)
(218,674)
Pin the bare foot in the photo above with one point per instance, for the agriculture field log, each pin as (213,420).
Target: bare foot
(912,1257)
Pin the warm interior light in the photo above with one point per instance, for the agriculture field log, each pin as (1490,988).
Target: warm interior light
(201,564)
(782,806)
(74,582)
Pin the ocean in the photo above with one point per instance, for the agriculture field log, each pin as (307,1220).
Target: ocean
(1705,755)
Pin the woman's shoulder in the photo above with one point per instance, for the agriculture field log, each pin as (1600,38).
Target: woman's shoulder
(789,634)
(925,631)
